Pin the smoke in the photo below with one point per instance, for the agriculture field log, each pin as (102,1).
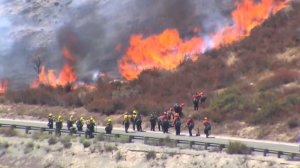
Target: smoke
(92,29)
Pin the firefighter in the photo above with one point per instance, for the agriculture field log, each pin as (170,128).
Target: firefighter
(134,119)
(109,126)
(139,122)
(79,124)
(159,122)
(177,123)
(190,124)
(58,125)
(153,120)
(207,126)
(50,121)
(202,97)
(70,122)
(93,124)
(90,128)
(170,114)
(196,100)
(126,121)
(165,123)
(179,108)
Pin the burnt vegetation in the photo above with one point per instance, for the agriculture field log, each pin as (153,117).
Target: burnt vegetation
(235,91)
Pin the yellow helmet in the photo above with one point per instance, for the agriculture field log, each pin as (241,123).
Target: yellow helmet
(134,112)
(59,117)
(50,114)
(81,118)
(109,120)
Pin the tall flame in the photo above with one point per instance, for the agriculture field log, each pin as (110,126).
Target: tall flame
(3,86)
(66,75)
(167,50)
(247,16)
(164,51)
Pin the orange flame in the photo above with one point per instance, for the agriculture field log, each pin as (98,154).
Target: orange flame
(164,51)
(167,50)
(3,86)
(66,75)
(247,16)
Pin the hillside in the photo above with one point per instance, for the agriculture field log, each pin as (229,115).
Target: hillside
(255,81)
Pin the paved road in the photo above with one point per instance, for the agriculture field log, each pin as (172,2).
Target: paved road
(270,145)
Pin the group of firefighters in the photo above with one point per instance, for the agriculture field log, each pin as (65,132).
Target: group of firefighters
(90,124)
(170,118)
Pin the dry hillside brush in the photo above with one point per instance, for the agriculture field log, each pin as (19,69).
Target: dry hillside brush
(235,91)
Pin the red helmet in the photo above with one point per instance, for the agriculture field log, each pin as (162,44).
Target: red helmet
(176,115)
(165,113)
(182,104)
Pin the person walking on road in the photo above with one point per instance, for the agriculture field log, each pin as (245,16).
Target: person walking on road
(190,124)
(50,121)
(70,122)
(134,119)
(109,126)
(139,122)
(153,120)
(165,123)
(177,123)
(58,125)
(79,124)
(126,122)
(207,126)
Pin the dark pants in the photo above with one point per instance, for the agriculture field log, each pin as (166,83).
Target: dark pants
(50,125)
(190,130)
(165,127)
(177,128)
(206,130)
(153,126)
(159,125)
(133,126)
(139,125)
(108,129)
(196,105)
(126,127)
(79,128)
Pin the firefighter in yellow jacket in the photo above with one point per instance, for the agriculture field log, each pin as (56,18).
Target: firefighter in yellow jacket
(109,126)
(126,121)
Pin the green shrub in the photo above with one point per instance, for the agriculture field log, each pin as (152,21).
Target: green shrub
(52,140)
(264,114)
(150,155)
(28,147)
(9,132)
(109,148)
(100,137)
(293,123)
(4,145)
(229,100)
(124,139)
(86,143)
(66,141)
(237,148)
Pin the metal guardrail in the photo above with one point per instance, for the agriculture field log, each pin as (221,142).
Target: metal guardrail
(191,143)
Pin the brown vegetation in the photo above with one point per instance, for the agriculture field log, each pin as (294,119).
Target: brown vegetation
(155,90)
